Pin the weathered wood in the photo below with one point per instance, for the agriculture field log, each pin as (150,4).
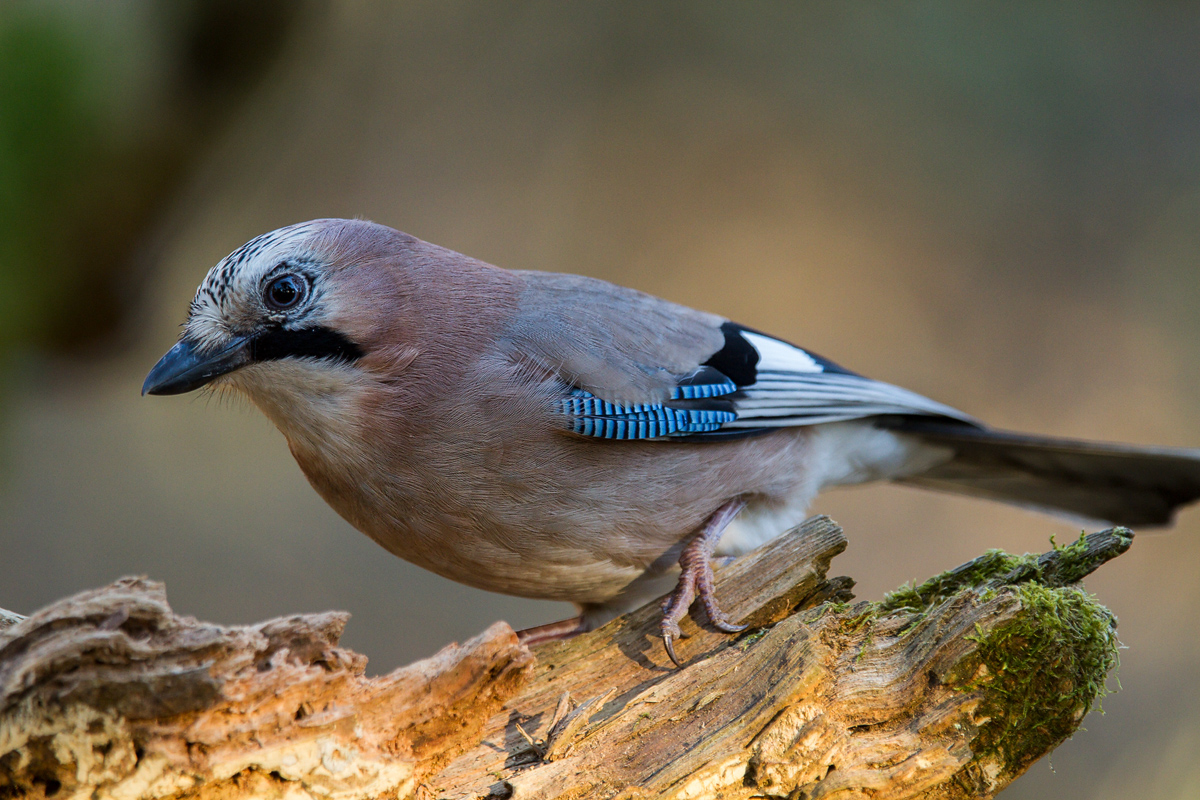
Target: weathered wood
(938,691)
(109,694)
(833,701)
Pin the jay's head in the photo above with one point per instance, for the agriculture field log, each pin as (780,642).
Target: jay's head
(292,312)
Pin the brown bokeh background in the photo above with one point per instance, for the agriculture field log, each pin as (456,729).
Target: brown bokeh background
(995,206)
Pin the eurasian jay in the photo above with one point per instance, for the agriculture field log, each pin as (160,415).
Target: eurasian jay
(555,436)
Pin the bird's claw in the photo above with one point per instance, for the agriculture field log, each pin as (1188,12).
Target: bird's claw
(718,618)
(725,626)
(670,648)
(670,631)
(676,606)
(674,609)
(696,580)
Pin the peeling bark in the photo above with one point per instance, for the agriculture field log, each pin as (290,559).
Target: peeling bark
(932,693)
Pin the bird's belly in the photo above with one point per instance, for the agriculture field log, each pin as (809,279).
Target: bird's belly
(484,556)
(582,524)
(569,580)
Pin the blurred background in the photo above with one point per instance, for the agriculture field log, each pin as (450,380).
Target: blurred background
(997,208)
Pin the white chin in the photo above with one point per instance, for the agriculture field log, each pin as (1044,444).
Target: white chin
(312,401)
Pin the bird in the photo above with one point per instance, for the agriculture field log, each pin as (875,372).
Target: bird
(559,437)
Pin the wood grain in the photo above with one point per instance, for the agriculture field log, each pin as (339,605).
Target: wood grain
(109,694)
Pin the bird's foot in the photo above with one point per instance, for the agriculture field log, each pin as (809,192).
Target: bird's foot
(674,608)
(696,580)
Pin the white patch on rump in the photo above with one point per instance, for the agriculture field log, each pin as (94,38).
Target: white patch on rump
(840,454)
(757,525)
(853,452)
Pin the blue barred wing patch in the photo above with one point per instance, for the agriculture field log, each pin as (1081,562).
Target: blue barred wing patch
(591,416)
(702,384)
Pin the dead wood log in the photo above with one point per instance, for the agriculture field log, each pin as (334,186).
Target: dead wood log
(109,694)
(949,689)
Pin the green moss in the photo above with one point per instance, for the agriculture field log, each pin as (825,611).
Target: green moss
(1039,673)
(747,641)
(996,568)
(912,597)
(1078,559)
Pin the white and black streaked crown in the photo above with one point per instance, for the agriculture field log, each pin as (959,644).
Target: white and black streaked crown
(249,263)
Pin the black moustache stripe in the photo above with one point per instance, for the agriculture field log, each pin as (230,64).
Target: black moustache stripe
(278,343)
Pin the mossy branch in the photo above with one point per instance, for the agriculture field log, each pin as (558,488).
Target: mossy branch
(949,689)
(1061,566)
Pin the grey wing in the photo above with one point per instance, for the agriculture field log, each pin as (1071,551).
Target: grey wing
(637,367)
(620,344)
(781,384)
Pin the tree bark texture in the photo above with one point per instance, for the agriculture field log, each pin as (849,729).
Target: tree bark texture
(949,689)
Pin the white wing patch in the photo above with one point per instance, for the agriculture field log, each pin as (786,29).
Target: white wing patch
(792,387)
(777,356)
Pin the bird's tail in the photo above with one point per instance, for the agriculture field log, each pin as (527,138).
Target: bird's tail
(1121,484)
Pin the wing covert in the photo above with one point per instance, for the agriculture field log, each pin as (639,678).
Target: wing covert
(778,385)
(635,367)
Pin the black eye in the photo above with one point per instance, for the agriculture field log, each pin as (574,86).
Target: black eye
(285,292)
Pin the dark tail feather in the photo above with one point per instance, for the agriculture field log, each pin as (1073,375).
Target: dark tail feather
(1122,484)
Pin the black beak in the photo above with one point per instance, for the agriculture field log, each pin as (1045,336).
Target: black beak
(185,367)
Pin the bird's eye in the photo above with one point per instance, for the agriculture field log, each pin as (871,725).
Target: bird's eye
(285,292)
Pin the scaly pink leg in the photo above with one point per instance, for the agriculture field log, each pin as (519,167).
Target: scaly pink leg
(551,632)
(696,578)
